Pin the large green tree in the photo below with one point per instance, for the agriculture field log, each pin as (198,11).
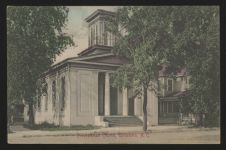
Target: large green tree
(182,36)
(142,37)
(197,43)
(34,38)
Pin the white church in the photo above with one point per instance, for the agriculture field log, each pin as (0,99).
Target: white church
(79,90)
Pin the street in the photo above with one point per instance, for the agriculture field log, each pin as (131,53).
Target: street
(117,136)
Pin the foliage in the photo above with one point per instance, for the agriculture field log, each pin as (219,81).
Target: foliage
(34,38)
(198,47)
(143,38)
(52,127)
(179,35)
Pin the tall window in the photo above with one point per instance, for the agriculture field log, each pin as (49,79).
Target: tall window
(62,93)
(101,33)
(169,85)
(105,35)
(92,35)
(46,98)
(39,103)
(54,94)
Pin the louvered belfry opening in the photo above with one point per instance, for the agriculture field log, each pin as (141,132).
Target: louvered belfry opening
(101,93)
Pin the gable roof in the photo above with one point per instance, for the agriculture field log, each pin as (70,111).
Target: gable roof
(102,60)
(93,58)
(176,95)
(167,70)
(111,59)
(98,12)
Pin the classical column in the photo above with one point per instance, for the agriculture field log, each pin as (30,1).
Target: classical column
(107,95)
(124,102)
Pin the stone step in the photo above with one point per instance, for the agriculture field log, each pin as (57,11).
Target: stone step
(123,121)
(122,125)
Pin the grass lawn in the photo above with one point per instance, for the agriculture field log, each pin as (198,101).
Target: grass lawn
(52,127)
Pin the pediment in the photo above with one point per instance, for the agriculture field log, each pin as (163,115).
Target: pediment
(110,60)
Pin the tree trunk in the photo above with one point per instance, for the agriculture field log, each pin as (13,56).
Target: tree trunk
(145,110)
(31,114)
(201,119)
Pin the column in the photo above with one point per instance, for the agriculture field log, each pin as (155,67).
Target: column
(124,102)
(107,95)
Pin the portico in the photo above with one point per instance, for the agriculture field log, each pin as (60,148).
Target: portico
(110,99)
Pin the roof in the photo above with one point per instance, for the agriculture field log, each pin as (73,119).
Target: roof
(176,95)
(167,70)
(84,58)
(112,59)
(103,59)
(98,12)
(182,72)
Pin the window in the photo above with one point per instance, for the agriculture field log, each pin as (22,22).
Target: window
(188,80)
(54,94)
(169,85)
(169,107)
(46,98)
(105,35)
(175,107)
(39,102)
(101,33)
(164,107)
(62,93)
(92,35)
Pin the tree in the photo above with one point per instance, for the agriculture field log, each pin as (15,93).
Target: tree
(143,38)
(34,38)
(182,36)
(197,43)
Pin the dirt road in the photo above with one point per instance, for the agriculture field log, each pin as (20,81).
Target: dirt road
(169,137)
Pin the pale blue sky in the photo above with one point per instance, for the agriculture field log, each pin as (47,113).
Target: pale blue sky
(77,27)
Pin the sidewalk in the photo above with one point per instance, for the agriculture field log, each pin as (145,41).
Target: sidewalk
(111,130)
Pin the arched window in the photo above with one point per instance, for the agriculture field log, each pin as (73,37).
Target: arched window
(62,93)
(54,94)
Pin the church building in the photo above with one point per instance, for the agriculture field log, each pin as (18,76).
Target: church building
(79,91)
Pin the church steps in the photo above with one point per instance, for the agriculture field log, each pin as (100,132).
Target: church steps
(123,121)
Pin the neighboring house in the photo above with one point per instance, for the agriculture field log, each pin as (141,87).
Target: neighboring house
(173,87)
(79,91)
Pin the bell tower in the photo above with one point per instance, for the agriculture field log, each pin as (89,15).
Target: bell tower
(97,23)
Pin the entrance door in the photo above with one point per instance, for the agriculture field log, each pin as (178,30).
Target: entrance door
(113,101)
(131,107)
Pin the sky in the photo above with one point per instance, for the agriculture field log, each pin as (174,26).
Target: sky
(78,29)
